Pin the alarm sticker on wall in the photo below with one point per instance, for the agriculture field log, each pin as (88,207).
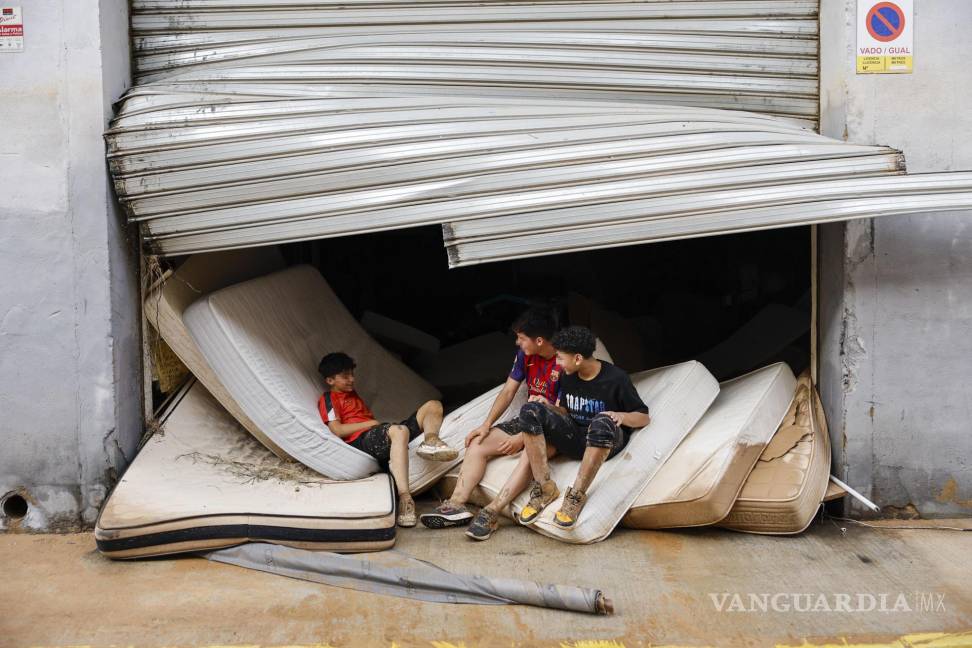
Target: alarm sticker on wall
(11,29)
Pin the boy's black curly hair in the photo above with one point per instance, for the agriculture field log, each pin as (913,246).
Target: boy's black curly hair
(537,321)
(335,363)
(575,339)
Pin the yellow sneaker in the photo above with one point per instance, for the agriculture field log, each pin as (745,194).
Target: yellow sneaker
(569,511)
(540,496)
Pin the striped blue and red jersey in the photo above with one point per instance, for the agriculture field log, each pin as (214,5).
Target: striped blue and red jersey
(542,375)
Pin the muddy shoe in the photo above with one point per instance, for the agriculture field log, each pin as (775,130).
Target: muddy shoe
(483,525)
(540,496)
(445,515)
(436,450)
(406,511)
(574,501)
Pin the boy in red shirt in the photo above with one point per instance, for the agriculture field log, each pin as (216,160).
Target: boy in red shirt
(349,418)
(536,363)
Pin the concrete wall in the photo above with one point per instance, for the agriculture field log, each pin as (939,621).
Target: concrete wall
(70,405)
(896,292)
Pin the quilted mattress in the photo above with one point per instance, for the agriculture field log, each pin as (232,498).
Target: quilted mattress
(677,396)
(264,338)
(784,490)
(202,482)
(200,274)
(701,479)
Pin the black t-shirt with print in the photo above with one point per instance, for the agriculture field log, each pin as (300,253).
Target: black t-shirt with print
(610,390)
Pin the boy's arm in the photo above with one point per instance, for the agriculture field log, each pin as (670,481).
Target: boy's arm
(344,430)
(500,403)
(629,419)
(635,414)
(557,407)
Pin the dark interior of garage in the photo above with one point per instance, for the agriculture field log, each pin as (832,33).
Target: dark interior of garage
(734,302)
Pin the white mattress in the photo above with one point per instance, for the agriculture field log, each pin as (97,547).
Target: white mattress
(677,396)
(204,482)
(166,303)
(701,479)
(264,339)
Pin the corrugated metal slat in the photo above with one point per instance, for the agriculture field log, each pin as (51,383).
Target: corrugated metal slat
(525,128)
(757,55)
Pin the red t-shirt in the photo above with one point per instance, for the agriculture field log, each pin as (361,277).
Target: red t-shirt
(344,407)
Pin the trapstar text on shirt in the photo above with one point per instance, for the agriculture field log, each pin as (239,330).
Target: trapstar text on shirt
(584,409)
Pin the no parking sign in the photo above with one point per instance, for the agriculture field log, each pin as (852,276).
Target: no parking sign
(885,36)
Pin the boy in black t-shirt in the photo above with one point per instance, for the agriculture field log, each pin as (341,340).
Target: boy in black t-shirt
(597,409)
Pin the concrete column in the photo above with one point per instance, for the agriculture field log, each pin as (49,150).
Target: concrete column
(896,292)
(70,406)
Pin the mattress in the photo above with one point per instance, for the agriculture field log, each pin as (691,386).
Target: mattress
(834,492)
(701,479)
(200,274)
(785,488)
(203,482)
(677,396)
(264,339)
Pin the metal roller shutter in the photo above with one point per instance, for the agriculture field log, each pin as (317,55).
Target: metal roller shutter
(525,128)
(758,55)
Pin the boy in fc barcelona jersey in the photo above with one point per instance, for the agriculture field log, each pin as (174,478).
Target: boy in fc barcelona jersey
(597,411)
(536,364)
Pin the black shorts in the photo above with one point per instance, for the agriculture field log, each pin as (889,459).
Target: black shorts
(375,441)
(508,426)
(569,438)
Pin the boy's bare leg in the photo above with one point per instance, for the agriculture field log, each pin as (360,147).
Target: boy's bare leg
(473,465)
(487,520)
(535,448)
(429,418)
(576,496)
(544,490)
(398,464)
(593,459)
(517,482)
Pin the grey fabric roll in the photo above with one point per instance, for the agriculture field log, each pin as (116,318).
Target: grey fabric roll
(405,577)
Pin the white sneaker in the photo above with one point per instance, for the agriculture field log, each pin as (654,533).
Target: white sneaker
(437,450)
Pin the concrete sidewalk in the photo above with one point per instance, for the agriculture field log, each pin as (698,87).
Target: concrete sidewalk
(668,587)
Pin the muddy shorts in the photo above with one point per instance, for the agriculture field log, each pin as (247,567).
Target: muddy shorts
(375,441)
(509,427)
(569,438)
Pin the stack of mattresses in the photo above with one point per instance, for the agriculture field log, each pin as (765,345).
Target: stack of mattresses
(758,461)
(678,396)
(203,482)
(785,488)
(257,338)
(700,481)
(254,333)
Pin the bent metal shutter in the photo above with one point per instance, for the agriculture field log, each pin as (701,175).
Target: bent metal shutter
(524,128)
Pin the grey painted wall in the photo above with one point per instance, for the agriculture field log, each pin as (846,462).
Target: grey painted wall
(70,405)
(896,293)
